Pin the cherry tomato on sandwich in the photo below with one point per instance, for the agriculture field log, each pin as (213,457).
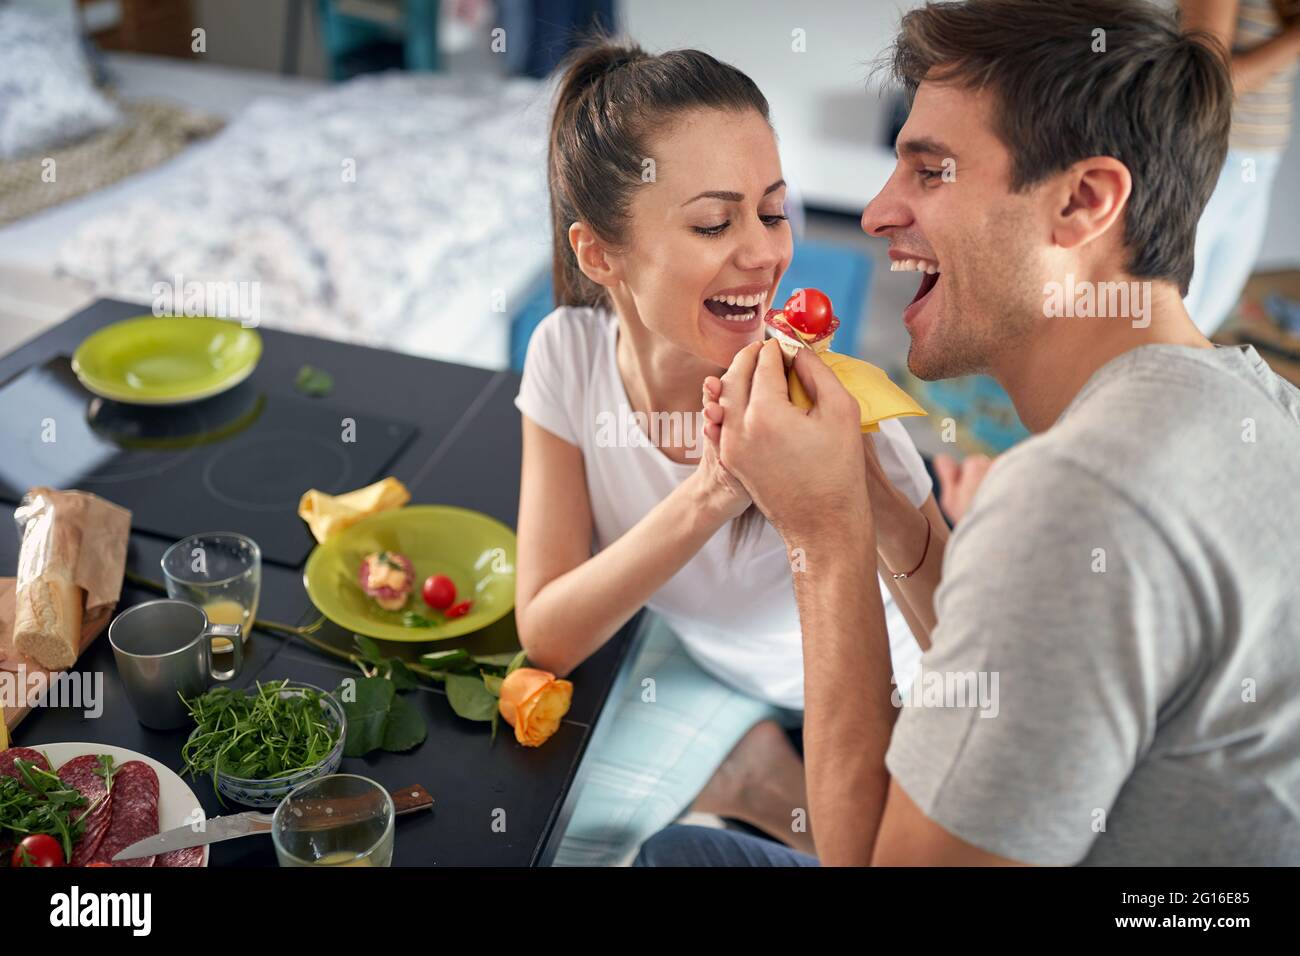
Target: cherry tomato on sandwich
(39,849)
(809,311)
(439,592)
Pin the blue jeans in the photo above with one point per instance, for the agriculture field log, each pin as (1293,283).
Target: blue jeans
(682,845)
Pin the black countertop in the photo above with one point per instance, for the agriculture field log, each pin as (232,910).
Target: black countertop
(466,453)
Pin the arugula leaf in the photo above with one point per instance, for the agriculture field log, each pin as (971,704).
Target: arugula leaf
(107,769)
(314,381)
(38,801)
(415,619)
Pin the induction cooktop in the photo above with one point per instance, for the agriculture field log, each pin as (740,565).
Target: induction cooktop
(239,461)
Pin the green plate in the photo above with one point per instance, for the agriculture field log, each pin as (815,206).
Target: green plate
(165,360)
(475,551)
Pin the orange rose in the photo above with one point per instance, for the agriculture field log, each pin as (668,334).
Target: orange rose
(533,702)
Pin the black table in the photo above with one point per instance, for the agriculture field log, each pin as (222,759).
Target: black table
(467,453)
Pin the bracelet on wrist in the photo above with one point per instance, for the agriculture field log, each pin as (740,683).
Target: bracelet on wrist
(904,575)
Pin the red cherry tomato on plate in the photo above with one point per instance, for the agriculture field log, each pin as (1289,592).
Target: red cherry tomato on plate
(39,849)
(439,592)
(809,311)
(459,610)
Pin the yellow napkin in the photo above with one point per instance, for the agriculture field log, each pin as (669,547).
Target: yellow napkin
(329,514)
(877,396)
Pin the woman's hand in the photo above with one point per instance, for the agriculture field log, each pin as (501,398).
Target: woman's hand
(958,482)
(773,447)
(723,495)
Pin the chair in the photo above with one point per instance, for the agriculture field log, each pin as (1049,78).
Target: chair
(360,36)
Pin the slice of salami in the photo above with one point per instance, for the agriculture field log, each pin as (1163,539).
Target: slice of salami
(135,813)
(7,758)
(190,856)
(79,773)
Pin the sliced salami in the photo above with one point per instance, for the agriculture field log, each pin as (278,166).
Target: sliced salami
(7,758)
(190,856)
(79,773)
(135,813)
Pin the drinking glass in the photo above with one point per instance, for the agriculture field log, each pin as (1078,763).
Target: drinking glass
(221,572)
(338,820)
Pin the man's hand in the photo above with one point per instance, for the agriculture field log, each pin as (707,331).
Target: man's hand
(803,468)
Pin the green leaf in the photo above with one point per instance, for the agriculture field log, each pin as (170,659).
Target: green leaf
(469,698)
(493,684)
(495,660)
(519,661)
(415,619)
(369,649)
(448,660)
(403,677)
(406,728)
(314,381)
(368,715)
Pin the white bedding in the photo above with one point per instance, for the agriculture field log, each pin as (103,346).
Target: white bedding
(428,251)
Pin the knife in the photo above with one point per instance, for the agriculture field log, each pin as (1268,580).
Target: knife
(327,814)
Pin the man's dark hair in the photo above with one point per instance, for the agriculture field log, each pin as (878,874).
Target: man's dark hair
(1080,78)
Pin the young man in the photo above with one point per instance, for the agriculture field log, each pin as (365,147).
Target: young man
(1112,676)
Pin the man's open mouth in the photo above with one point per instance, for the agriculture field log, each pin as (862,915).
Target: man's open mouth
(928,282)
(929,275)
(736,308)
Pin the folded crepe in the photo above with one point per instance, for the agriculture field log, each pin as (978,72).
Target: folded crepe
(329,514)
(878,397)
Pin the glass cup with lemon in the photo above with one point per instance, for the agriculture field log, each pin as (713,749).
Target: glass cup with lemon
(221,572)
(339,820)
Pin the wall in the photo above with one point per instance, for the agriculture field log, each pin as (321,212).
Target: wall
(828,120)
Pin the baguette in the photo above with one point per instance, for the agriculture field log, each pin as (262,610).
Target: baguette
(48,602)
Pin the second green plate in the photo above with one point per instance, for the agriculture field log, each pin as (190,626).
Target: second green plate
(475,551)
(166,360)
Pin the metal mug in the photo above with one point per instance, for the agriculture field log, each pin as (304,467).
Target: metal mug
(163,650)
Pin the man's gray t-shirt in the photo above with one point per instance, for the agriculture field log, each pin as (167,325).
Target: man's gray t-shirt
(1128,582)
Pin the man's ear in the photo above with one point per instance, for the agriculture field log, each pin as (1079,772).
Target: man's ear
(1091,199)
(593,258)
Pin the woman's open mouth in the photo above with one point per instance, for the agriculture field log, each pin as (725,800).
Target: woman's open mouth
(738,312)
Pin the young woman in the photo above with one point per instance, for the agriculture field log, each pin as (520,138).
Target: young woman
(670,241)
(1264,57)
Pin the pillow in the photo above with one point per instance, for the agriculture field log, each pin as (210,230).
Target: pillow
(46,97)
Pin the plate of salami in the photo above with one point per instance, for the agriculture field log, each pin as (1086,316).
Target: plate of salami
(144,798)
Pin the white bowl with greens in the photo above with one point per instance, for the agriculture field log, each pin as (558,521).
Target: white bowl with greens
(259,744)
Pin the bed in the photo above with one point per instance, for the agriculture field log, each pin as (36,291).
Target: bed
(400,210)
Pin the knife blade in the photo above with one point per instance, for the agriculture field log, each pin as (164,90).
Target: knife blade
(235,825)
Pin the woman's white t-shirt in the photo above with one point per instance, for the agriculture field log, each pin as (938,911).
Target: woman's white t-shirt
(735,614)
